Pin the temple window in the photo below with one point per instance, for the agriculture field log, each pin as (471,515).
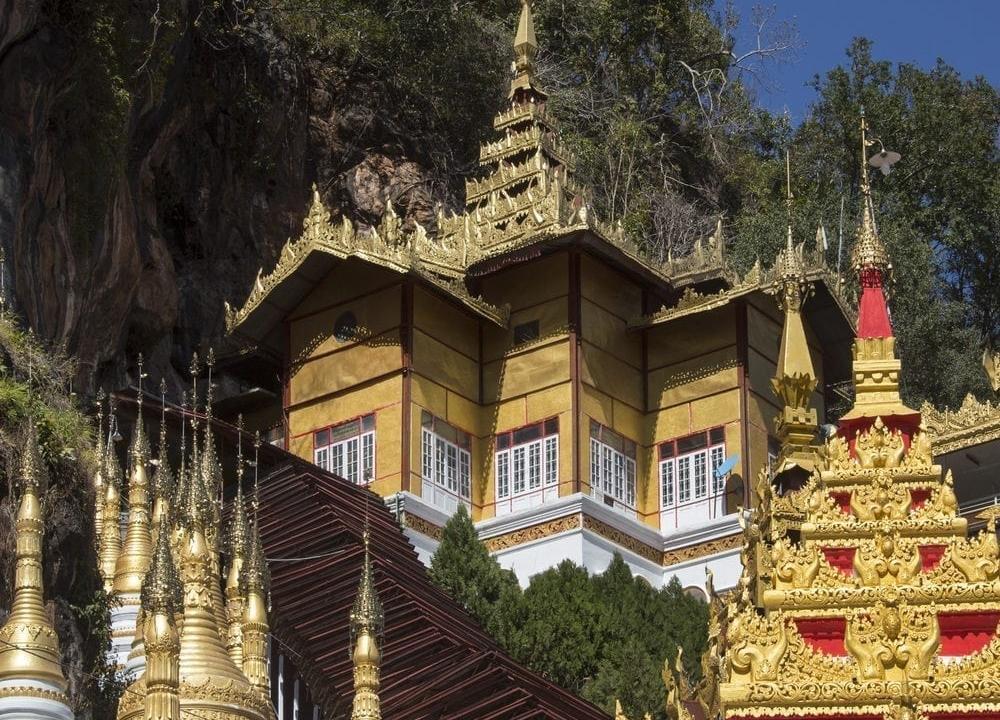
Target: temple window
(527,466)
(347,449)
(690,489)
(446,463)
(612,468)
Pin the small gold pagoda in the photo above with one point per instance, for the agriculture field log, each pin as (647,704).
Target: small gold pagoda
(195,651)
(32,683)
(873,603)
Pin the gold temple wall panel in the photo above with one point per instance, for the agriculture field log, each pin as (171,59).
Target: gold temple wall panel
(610,333)
(548,402)
(445,322)
(614,377)
(719,409)
(445,365)
(530,283)
(312,335)
(349,279)
(331,410)
(348,368)
(605,286)
(687,381)
(535,368)
(686,338)
(553,320)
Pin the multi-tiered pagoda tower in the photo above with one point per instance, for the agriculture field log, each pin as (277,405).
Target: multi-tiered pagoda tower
(862,596)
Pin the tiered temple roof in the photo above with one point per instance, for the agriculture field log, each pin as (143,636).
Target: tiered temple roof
(523,200)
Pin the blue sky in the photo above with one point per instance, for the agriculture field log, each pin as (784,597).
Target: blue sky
(962,32)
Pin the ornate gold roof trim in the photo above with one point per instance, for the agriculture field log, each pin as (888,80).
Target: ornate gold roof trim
(385,245)
(974,423)
(692,302)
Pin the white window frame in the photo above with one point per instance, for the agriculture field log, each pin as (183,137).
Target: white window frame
(446,465)
(692,477)
(612,474)
(526,469)
(352,458)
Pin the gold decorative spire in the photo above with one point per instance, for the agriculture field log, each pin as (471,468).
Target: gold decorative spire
(29,645)
(238,536)
(525,50)
(366,632)
(161,602)
(99,473)
(111,538)
(163,483)
(202,650)
(869,252)
(876,367)
(137,550)
(254,586)
(795,378)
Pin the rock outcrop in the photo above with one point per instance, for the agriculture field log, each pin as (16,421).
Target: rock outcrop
(153,157)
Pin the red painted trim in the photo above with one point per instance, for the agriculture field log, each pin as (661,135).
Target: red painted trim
(841,558)
(873,313)
(824,634)
(930,556)
(574,361)
(843,500)
(406,349)
(965,633)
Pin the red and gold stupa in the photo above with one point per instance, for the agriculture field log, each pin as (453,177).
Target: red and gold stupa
(862,596)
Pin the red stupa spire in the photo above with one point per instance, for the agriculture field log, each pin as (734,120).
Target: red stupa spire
(876,367)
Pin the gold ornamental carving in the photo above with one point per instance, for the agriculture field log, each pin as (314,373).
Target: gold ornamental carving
(693,552)
(535,532)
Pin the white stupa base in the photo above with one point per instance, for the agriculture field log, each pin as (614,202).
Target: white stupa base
(122,634)
(38,701)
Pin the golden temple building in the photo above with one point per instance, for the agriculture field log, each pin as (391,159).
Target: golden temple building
(862,596)
(528,361)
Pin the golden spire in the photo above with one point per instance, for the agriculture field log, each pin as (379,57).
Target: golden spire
(137,550)
(869,252)
(238,532)
(111,538)
(161,602)
(202,649)
(99,473)
(876,367)
(525,50)
(29,645)
(254,583)
(366,632)
(163,483)
(794,379)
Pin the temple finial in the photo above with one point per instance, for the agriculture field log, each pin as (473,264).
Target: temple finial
(29,645)
(869,252)
(366,634)
(525,50)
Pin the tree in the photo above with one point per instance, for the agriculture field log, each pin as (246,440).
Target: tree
(464,568)
(937,211)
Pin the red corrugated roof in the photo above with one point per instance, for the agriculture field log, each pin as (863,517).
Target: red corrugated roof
(437,661)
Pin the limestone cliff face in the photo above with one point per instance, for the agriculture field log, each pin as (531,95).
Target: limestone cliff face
(150,164)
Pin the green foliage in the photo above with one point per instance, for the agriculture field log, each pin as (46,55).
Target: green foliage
(464,569)
(937,211)
(604,636)
(35,387)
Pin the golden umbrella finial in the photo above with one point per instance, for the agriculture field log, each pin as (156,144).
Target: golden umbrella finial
(525,51)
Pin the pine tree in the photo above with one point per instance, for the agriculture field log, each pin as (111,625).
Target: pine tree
(464,568)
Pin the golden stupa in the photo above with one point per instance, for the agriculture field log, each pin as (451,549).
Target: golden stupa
(193,652)
(861,596)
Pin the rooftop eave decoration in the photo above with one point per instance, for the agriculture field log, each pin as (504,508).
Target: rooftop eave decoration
(974,423)
(756,279)
(387,245)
